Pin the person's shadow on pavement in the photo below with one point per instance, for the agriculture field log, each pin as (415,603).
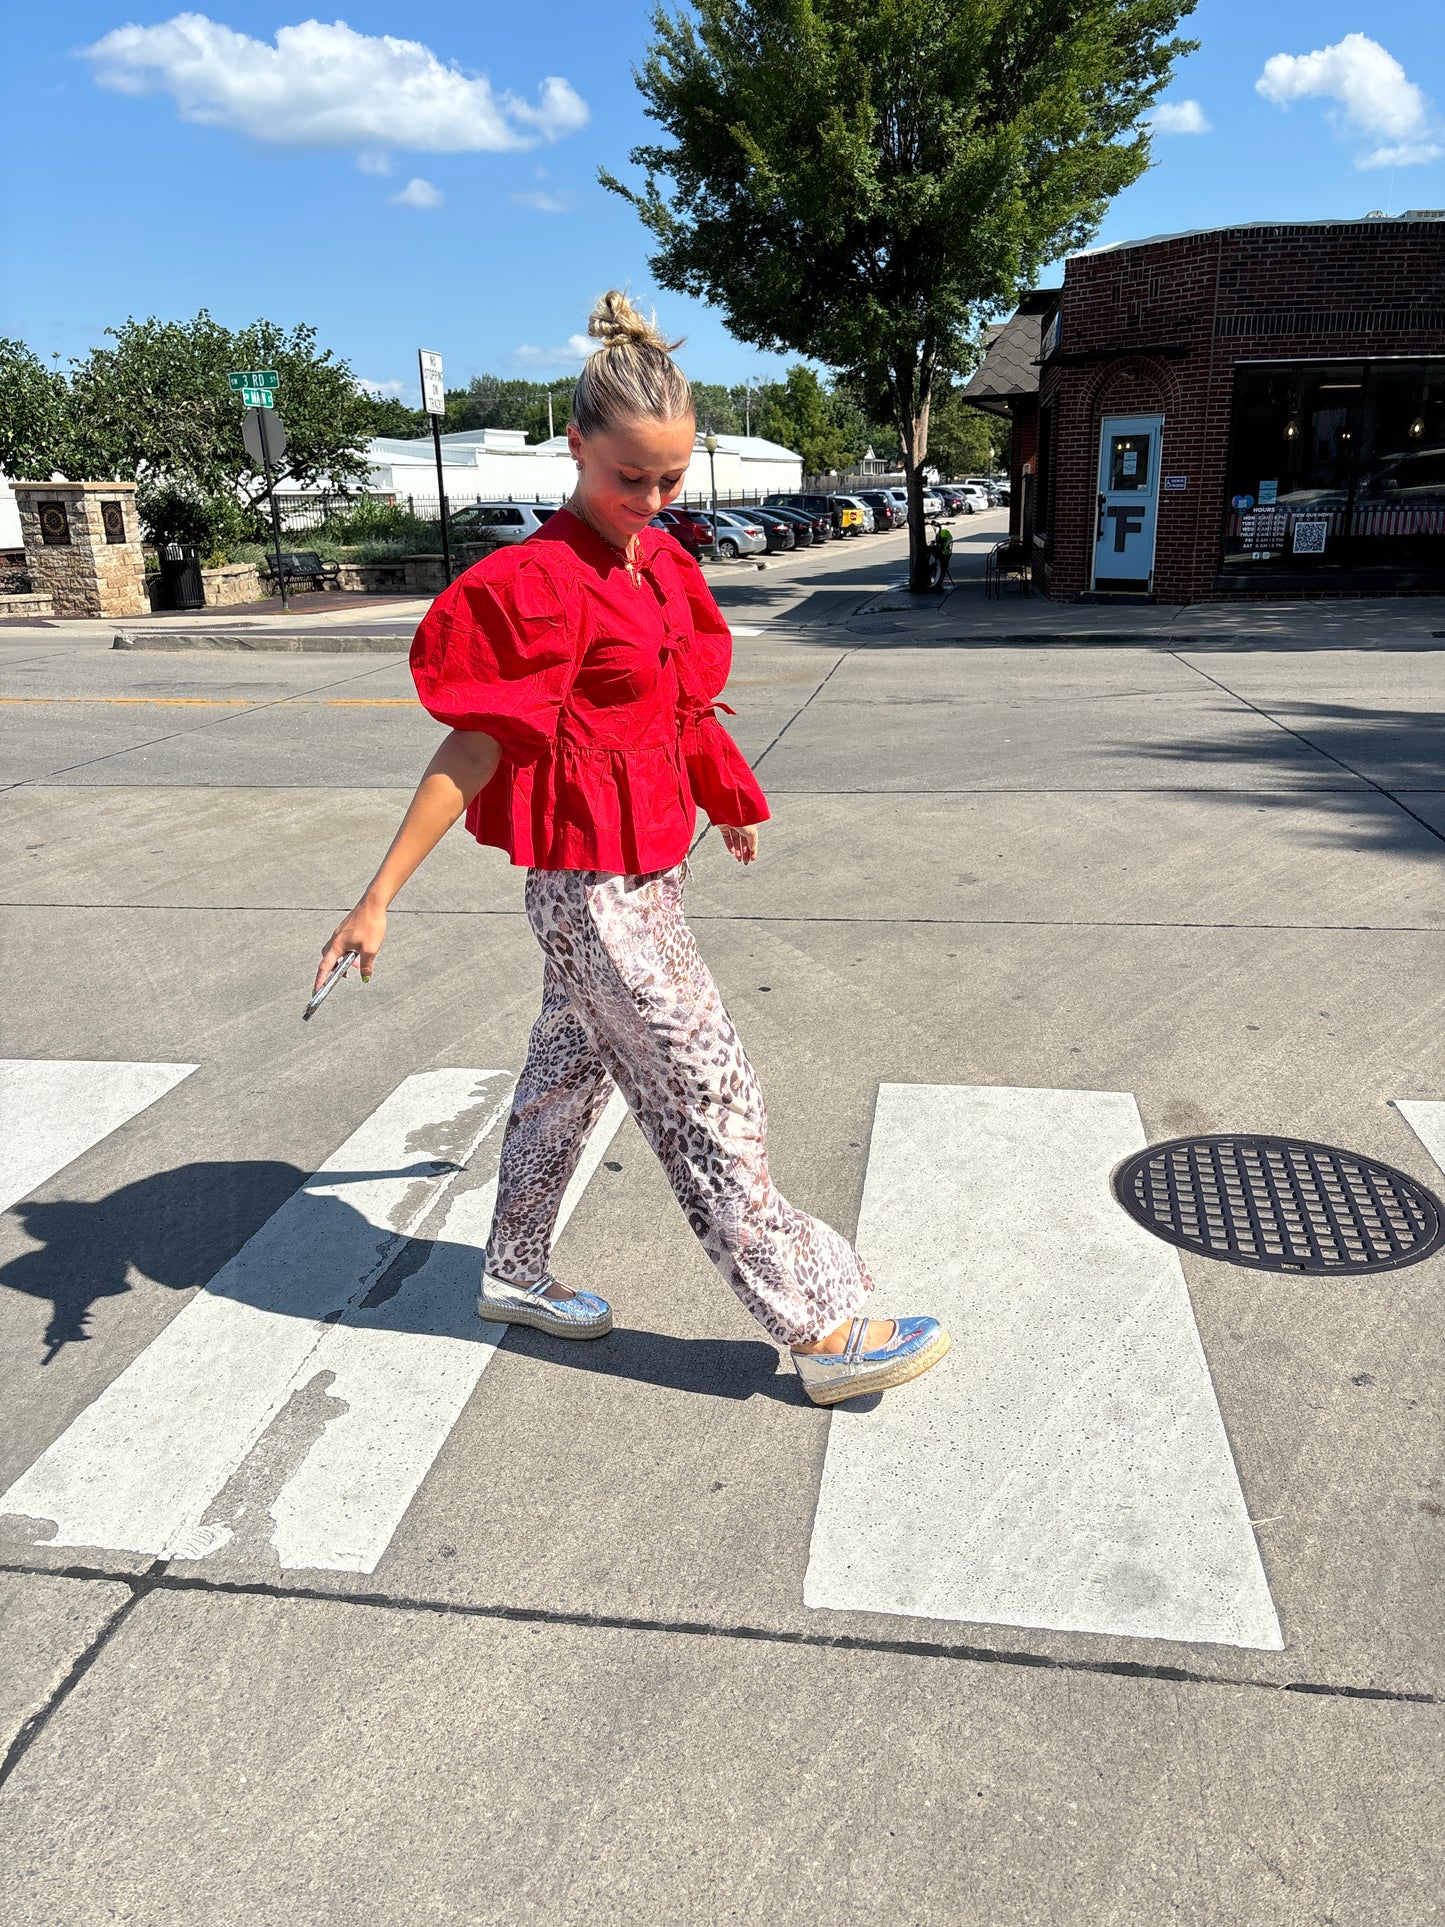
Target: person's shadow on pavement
(179,1228)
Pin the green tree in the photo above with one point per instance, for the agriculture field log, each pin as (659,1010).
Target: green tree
(386,415)
(717,409)
(964,440)
(157,407)
(34,417)
(496,401)
(859,184)
(800,413)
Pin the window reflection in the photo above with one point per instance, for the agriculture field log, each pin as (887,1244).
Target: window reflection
(1336,467)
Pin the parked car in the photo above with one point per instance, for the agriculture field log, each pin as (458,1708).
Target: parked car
(935,509)
(951,496)
(807,528)
(987,484)
(694,534)
(734,537)
(828,505)
(886,514)
(500,522)
(869,524)
(900,497)
(778,531)
(976,500)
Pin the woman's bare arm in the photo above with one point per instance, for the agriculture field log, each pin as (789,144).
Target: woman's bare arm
(465,764)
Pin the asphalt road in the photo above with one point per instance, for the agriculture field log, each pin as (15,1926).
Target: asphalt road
(323,1607)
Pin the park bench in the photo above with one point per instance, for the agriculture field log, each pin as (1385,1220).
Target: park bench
(304,565)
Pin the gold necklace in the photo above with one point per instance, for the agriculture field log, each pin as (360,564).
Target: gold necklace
(628,562)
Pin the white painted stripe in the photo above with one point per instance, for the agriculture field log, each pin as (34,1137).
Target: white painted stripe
(136,1471)
(52,1110)
(1067,1466)
(404,1371)
(1426,1118)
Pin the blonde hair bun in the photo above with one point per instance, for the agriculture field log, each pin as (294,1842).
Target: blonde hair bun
(632,376)
(617,324)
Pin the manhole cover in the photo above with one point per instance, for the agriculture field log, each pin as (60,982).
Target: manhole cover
(1279,1204)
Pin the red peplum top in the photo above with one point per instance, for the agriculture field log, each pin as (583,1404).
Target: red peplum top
(601,692)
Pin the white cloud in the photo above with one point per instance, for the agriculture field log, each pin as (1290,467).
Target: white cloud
(1179,117)
(374,160)
(417,193)
(574,351)
(1369,85)
(325,86)
(382,390)
(542,201)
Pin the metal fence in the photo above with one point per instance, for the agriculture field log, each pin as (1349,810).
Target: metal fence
(301,512)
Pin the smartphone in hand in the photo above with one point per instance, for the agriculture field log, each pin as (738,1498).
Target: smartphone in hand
(314,1002)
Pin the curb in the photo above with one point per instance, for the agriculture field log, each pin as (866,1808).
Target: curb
(262,641)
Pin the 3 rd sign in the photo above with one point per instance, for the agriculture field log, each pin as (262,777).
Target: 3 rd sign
(255,386)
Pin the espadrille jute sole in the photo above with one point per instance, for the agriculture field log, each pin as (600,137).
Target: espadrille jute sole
(884,1379)
(540,1321)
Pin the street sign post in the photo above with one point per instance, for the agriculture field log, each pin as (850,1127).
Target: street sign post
(264,434)
(434,401)
(265,437)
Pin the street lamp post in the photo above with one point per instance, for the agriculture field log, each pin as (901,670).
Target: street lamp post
(709,442)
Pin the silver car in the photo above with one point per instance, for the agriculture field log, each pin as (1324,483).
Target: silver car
(734,536)
(500,522)
(870,520)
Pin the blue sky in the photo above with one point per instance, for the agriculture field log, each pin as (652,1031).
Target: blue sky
(412,203)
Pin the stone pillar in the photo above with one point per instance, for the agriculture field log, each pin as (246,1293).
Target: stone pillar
(82,546)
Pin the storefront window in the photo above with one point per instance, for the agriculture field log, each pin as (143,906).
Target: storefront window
(1337,467)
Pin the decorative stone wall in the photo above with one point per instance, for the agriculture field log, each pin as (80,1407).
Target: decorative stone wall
(82,546)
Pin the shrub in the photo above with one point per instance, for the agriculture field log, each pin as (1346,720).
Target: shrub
(176,512)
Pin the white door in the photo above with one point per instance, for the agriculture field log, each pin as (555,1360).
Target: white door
(1128,503)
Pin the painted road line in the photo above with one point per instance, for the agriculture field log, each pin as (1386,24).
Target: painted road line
(1067,1466)
(54,1109)
(403,1371)
(137,1470)
(1426,1118)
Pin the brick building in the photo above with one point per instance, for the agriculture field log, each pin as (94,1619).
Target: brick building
(1241,411)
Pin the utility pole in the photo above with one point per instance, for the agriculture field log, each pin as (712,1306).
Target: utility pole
(551,431)
(434,401)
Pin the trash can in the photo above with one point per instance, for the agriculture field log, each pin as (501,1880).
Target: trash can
(181,585)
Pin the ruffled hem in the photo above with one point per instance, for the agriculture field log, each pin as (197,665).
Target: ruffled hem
(624,810)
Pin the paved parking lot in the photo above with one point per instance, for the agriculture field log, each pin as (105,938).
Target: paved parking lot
(323,1607)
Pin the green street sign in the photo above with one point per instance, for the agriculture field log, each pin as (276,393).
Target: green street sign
(254,378)
(258,397)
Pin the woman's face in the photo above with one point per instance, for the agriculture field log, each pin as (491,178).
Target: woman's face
(630,472)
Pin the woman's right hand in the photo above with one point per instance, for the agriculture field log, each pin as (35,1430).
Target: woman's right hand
(364,931)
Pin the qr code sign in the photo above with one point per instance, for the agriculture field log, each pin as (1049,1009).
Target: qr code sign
(1309,535)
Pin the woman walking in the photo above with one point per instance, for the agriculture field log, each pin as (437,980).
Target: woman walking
(578,675)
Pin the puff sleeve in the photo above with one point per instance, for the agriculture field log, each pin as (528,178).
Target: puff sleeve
(719,775)
(497,652)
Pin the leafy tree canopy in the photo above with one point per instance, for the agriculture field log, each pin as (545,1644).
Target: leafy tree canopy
(858,184)
(34,424)
(388,416)
(157,405)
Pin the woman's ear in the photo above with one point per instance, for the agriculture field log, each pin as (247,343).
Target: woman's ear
(574,443)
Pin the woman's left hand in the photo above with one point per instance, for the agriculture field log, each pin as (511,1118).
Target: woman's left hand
(741,844)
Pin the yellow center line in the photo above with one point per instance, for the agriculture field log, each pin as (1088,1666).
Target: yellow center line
(230,702)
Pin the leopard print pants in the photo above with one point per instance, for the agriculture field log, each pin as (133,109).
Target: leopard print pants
(627,1001)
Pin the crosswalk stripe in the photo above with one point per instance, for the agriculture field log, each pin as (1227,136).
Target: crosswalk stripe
(1067,1466)
(1426,1118)
(54,1109)
(405,1371)
(139,1469)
